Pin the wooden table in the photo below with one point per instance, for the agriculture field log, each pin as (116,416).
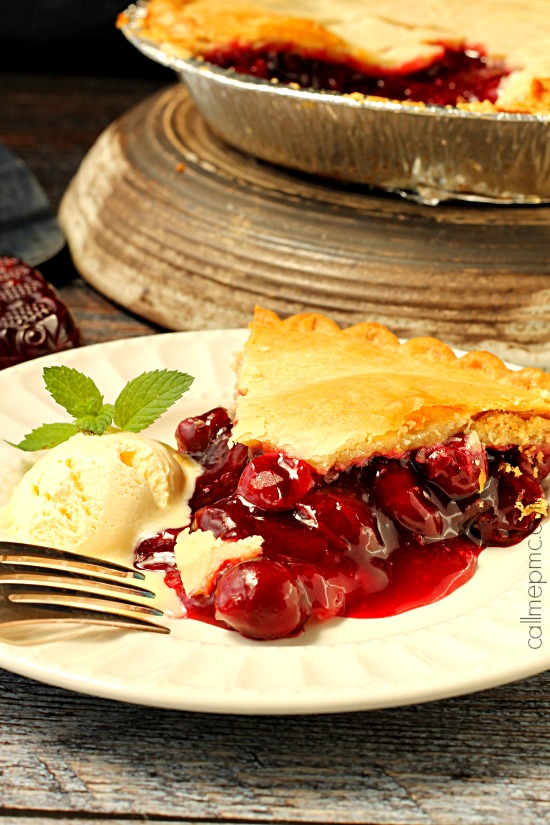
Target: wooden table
(479,759)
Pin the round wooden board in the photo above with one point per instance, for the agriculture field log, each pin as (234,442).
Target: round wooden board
(176,226)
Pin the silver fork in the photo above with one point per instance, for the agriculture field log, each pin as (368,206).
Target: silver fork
(42,584)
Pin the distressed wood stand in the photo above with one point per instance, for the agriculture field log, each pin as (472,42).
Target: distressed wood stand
(177,227)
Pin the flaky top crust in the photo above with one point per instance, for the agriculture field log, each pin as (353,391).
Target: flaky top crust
(388,35)
(335,397)
(194,28)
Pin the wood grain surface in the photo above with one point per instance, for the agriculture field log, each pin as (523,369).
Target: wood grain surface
(173,224)
(482,759)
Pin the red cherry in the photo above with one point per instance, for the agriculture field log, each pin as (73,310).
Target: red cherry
(274,482)
(205,438)
(458,467)
(534,460)
(196,434)
(261,599)
(342,515)
(510,518)
(436,569)
(221,476)
(156,552)
(542,463)
(400,495)
(326,598)
(285,537)
(228,518)
(259,68)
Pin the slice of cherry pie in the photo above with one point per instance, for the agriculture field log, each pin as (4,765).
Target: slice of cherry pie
(472,53)
(361,477)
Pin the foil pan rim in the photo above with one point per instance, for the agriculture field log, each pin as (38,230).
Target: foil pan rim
(228,77)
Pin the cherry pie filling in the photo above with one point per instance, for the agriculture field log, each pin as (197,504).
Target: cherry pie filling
(458,76)
(374,541)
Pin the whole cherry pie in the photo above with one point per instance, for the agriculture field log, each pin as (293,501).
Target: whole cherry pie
(360,477)
(476,54)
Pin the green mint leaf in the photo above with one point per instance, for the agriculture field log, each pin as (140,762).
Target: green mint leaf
(147,397)
(105,417)
(96,424)
(46,436)
(73,390)
(139,404)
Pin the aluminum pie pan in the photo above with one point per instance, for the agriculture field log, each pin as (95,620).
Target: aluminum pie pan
(426,153)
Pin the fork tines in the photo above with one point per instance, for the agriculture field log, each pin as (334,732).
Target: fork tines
(34,555)
(39,584)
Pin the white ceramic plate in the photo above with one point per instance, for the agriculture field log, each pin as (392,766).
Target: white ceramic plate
(475,638)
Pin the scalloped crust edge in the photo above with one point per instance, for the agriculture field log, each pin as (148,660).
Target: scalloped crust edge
(496,428)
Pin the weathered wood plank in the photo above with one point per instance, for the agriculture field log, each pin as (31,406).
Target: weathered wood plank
(14,817)
(51,121)
(480,759)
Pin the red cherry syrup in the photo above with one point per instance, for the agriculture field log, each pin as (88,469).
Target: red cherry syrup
(375,541)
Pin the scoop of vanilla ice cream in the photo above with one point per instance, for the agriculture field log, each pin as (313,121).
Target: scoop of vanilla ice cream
(97,495)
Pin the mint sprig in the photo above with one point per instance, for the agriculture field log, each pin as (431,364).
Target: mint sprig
(141,402)
(73,390)
(46,436)
(96,424)
(147,397)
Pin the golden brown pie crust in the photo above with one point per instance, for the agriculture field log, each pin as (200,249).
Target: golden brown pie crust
(192,28)
(335,397)
(388,34)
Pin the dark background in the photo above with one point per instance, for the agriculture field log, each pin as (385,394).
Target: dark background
(69,37)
